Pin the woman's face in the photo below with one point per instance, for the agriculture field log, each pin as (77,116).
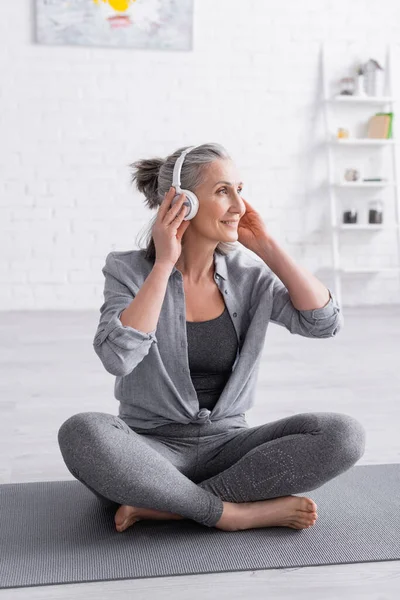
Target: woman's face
(219,201)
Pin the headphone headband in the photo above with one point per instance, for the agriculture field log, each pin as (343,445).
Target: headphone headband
(176,177)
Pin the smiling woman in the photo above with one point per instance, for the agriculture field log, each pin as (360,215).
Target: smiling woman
(181,446)
(184,336)
(203,170)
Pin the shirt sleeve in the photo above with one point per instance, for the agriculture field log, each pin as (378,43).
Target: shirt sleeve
(120,348)
(323,322)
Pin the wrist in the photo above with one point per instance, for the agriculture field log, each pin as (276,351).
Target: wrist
(265,248)
(163,265)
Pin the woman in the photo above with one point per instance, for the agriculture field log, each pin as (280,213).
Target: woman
(182,328)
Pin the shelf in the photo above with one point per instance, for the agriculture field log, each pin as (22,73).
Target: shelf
(359,144)
(368,269)
(367,184)
(361,99)
(362,141)
(365,227)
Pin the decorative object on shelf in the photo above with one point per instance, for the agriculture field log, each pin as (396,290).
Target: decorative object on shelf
(347,86)
(342,132)
(376,179)
(360,85)
(375,213)
(351,175)
(350,216)
(368,81)
(380,126)
(373,78)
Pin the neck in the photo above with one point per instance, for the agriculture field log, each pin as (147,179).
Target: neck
(197,267)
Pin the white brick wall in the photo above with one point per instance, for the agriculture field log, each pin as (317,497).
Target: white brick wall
(72,119)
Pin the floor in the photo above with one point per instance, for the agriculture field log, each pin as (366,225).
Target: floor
(50,371)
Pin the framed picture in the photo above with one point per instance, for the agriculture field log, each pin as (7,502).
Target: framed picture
(142,24)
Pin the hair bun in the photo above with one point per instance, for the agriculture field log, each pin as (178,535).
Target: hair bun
(145,175)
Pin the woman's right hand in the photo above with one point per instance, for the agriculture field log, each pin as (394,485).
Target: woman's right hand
(169,228)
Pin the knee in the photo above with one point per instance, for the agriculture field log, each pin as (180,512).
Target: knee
(77,429)
(347,436)
(72,427)
(88,429)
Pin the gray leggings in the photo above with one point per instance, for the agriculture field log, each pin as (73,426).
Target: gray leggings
(191,469)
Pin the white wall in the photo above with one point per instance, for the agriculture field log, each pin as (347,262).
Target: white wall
(72,119)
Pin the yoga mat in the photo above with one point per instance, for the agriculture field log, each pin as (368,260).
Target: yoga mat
(58,532)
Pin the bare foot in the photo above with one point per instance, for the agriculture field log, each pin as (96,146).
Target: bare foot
(297,512)
(127,515)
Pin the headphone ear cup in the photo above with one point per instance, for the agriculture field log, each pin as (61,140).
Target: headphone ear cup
(193,202)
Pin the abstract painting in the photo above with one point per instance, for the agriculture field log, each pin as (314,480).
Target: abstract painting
(142,24)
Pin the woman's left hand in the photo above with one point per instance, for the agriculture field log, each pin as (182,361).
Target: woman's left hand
(252,230)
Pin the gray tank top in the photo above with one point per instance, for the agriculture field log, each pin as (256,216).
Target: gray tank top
(212,348)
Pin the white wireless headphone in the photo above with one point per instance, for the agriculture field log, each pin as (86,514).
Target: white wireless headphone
(191,200)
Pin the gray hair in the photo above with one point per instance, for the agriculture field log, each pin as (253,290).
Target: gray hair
(153,177)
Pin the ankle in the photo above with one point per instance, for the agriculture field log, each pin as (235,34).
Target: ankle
(229,520)
(153,513)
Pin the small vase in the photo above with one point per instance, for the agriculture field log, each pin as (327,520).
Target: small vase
(378,83)
(360,91)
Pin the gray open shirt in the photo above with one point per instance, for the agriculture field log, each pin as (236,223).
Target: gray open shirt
(153,383)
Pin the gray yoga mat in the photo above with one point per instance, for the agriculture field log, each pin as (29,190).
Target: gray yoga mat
(58,532)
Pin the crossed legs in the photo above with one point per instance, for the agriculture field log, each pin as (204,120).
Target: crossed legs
(270,461)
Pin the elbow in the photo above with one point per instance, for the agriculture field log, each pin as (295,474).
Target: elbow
(114,364)
(116,370)
(330,327)
(120,363)
(338,325)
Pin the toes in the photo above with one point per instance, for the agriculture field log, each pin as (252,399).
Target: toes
(302,522)
(126,522)
(120,522)
(123,515)
(307,505)
(307,521)
(312,507)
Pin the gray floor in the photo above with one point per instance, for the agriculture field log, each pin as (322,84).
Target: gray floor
(49,371)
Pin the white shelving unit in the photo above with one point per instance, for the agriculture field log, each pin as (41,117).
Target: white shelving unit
(388,104)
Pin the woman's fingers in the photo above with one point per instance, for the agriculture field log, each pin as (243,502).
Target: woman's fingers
(163,208)
(174,213)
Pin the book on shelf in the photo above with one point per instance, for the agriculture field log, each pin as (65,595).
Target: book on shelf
(380,126)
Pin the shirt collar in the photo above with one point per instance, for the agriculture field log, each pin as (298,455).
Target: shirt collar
(219,265)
